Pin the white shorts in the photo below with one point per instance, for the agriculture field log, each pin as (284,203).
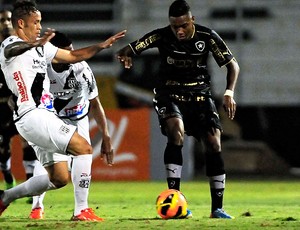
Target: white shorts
(47,134)
(82,127)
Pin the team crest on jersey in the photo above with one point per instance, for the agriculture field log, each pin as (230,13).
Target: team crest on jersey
(200,45)
(71,82)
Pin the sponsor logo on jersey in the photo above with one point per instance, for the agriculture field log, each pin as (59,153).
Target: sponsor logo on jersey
(64,93)
(181,63)
(21,86)
(47,101)
(200,45)
(140,45)
(76,110)
(37,64)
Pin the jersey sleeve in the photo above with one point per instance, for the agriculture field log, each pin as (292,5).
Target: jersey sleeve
(219,49)
(149,40)
(50,51)
(8,41)
(94,89)
(92,84)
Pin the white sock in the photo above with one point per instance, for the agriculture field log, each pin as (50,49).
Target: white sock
(33,186)
(173,170)
(81,178)
(38,200)
(217,182)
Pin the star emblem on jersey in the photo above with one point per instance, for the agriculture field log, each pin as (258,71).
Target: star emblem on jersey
(200,45)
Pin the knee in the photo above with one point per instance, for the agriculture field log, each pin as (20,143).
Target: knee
(83,149)
(88,149)
(60,182)
(176,137)
(79,146)
(214,144)
(216,148)
(174,130)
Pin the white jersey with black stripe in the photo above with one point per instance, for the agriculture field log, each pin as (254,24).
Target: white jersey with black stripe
(26,76)
(72,90)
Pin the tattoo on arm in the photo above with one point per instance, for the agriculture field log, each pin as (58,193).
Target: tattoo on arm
(16,48)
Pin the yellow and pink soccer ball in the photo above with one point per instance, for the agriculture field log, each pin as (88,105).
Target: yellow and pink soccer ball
(170,204)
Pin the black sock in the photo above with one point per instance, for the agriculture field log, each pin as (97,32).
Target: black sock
(173,183)
(28,175)
(8,177)
(217,186)
(173,163)
(216,198)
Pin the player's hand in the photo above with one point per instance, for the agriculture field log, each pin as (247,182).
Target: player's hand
(125,60)
(229,106)
(109,157)
(107,151)
(110,41)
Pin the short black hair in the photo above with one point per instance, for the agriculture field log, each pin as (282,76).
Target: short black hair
(179,8)
(60,40)
(22,8)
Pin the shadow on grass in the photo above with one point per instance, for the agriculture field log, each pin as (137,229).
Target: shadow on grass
(144,219)
(27,220)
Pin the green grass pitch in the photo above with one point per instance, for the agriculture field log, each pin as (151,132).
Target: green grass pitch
(256,204)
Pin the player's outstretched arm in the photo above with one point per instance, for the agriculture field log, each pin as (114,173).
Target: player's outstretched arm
(73,56)
(17,48)
(110,41)
(124,56)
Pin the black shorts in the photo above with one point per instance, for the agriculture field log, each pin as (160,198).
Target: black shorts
(199,114)
(7,126)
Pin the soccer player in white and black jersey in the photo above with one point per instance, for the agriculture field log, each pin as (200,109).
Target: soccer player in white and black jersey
(75,96)
(24,58)
(7,126)
(183,99)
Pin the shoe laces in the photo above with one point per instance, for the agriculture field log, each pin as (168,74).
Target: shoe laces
(36,213)
(88,214)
